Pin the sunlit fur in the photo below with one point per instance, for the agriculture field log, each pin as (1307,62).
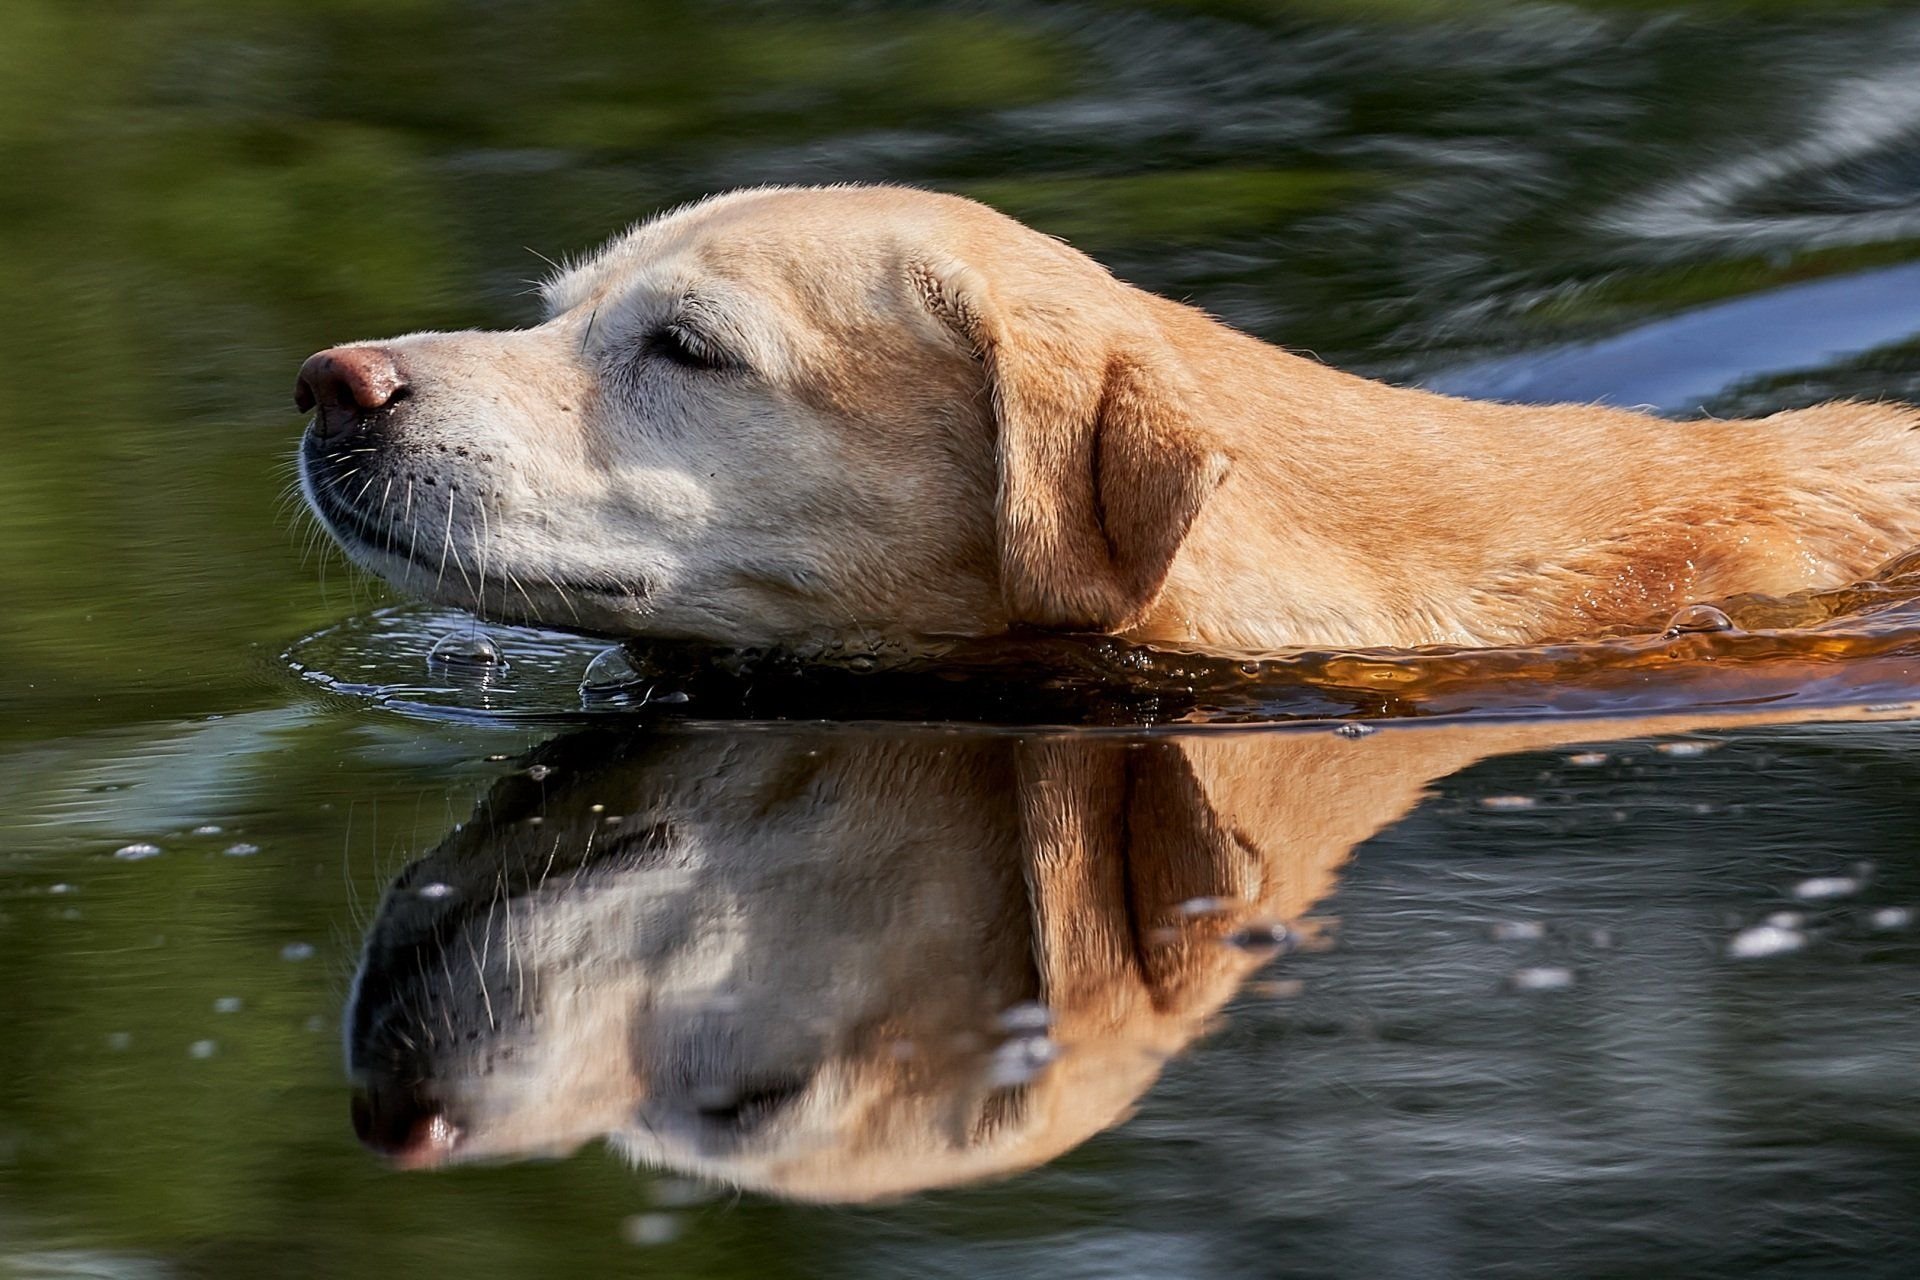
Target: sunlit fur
(934,420)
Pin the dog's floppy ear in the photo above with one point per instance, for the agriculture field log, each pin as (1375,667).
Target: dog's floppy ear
(1102,465)
(1117,837)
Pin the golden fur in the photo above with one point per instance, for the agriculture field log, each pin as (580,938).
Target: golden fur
(934,420)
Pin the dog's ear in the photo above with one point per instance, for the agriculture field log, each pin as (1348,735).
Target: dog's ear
(1121,842)
(1102,464)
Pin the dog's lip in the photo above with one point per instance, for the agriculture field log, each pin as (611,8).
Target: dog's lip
(351,524)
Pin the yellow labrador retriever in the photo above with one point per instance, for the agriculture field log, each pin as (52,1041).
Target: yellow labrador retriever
(797,416)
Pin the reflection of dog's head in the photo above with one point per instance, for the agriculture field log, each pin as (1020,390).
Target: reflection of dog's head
(786,961)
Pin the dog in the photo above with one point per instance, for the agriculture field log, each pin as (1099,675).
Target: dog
(852,965)
(803,417)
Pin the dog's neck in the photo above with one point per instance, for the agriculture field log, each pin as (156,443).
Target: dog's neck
(1357,513)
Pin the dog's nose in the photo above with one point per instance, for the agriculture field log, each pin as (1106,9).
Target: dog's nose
(409,1132)
(345,385)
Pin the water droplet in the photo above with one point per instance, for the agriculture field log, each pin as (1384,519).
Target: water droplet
(1587,759)
(1351,730)
(1821,888)
(1206,906)
(1021,1060)
(205,829)
(648,1229)
(136,851)
(60,888)
(241,850)
(1028,1017)
(227,1004)
(1507,803)
(1518,931)
(674,697)
(467,650)
(1786,920)
(1683,750)
(1765,940)
(203,1049)
(297,951)
(119,1041)
(540,772)
(611,672)
(435,889)
(1541,979)
(1891,918)
(1268,936)
(1697,618)
(314,1022)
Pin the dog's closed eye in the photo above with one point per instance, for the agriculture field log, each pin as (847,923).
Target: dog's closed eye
(677,344)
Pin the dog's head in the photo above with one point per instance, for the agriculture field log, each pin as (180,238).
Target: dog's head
(780,415)
(787,962)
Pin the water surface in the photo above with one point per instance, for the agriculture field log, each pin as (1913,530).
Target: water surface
(1576,962)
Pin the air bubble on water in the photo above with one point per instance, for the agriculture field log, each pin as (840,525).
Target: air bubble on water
(1268,936)
(1206,906)
(1353,730)
(610,673)
(1822,888)
(435,889)
(1890,918)
(227,1004)
(648,1229)
(1507,803)
(1764,940)
(1029,1017)
(1021,1060)
(60,888)
(1697,618)
(206,829)
(136,851)
(674,697)
(202,1049)
(1517,931)
(1684,750)
(297,951)
(241,850)
(1587,759)
(468,649)
(1545,978)
(119,1041)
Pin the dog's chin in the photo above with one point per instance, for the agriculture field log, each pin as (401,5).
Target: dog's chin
(396,554)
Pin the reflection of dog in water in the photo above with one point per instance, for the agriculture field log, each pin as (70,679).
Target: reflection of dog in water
(840,965)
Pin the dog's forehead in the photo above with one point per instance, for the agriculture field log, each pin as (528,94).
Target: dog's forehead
(825,238)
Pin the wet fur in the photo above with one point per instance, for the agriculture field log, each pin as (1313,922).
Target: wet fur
(944,422)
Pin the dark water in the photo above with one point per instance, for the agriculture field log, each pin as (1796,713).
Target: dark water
(1586,961)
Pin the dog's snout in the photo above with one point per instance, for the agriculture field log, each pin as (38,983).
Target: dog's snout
(410,1132)
(344,385)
